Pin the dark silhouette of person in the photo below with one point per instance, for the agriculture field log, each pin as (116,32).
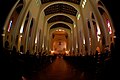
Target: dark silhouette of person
(21,49)
(14,51)
(6,48)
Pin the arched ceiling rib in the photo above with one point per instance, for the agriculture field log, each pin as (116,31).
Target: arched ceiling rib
(60,18)
(60,8)
(67,7)
(73,1)
(68,24)
(18,9)
(60,25)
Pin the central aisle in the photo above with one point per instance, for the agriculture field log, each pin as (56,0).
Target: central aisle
(60,70)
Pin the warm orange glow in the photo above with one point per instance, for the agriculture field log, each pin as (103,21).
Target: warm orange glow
(98,49)
(36,40)
(98,33)
(60,30)
(52,52)
(67,52)
(109,27)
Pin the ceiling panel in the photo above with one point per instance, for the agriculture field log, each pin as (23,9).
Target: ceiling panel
(73,1)
(60,25)
(60,8)
(60,18)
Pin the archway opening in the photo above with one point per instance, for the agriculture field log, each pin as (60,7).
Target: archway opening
(59,42)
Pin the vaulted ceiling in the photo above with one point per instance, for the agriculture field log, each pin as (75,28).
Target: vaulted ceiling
(60,25)
(60,8)
(60,18)
(73,1)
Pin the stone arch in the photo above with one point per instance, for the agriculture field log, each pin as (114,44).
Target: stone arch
(100,3)
(67,15)
(12,12)
(108,25)
(100,23)
(12,16)
(61,27)
(24,32)
(93,32)
(50,25)
(54,23)
(107,14)
(44,6)
(87,43)
(24,2)
(89,34)
(53,30)
(32,35)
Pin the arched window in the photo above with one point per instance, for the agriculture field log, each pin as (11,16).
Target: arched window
(10,25)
